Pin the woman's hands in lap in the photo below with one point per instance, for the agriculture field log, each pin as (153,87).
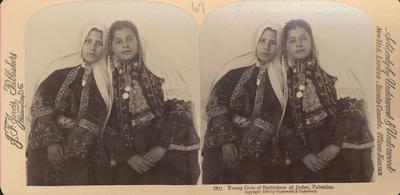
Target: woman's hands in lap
(55,155)
(155,154)
(230,155)
(139,164)
(329,152)
(317,162)
(313,162)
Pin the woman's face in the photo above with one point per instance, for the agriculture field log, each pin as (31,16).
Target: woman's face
(298,43)
(92,48)
(124,44)
(267,46)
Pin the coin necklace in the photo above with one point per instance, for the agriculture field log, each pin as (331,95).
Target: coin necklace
(298,70)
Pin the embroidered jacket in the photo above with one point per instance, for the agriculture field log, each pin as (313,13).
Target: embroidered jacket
(141,119)
(68,95)
(243,109)
(316,117)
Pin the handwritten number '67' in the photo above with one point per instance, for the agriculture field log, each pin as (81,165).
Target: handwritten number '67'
(199,7)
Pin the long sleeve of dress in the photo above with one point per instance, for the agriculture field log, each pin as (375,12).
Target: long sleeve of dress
(177,130)
(220,127)
(352,127)
(178,134)
(256,141)
(44,129)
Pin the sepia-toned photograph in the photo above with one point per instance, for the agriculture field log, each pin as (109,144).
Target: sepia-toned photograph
(199,97)
(115,111)
(284,103)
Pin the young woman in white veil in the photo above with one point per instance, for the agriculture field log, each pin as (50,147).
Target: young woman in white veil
(244,113)
(71,104)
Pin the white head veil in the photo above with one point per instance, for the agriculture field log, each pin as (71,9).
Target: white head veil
(276,72)
(101,71)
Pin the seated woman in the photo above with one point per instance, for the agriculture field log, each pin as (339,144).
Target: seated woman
(326,136)
(150,136)
(244,112)
(69,110)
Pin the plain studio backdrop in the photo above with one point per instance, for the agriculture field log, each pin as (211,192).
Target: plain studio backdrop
(169,36)
(343,37)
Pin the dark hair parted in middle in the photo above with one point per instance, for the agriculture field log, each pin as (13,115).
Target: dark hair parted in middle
(292,24)
(118,25)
